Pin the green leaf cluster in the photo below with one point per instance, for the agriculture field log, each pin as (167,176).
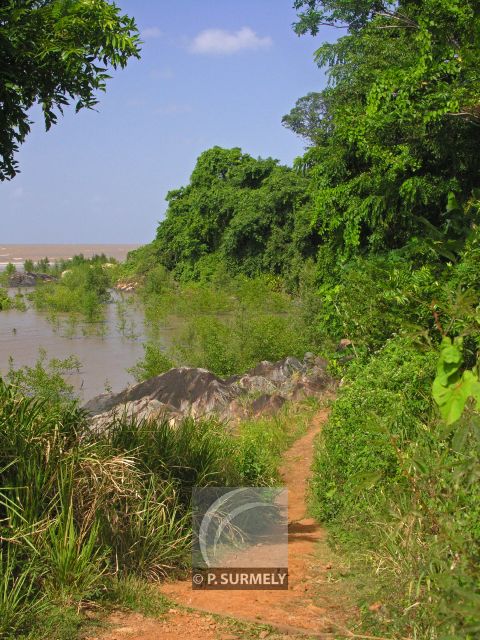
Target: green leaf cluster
(394,134)
(452,388)
(248,214)
(54,53)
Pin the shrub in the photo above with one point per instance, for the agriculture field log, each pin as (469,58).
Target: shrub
(378,412)
(396,488)
(155,361)
(7,302)
(82,289)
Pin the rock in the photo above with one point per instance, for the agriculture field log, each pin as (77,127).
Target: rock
(320,363)
(276,372)
(143,409)
(29,279)
(269,405)
(344,344)
(127,285)
(255,384)
(189,391)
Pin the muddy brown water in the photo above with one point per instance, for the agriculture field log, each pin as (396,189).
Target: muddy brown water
(105,350)
(18,253)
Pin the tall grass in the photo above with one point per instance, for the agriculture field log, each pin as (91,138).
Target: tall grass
(79,509)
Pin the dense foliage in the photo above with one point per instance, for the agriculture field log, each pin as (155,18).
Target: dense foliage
(397,126)
(249,214)
(394,179)
(54,52)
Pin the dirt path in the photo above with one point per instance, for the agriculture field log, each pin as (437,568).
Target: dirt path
(312,606)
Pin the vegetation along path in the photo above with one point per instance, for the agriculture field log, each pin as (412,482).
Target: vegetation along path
(312,606)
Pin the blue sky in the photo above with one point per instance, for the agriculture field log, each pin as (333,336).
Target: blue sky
(213,72)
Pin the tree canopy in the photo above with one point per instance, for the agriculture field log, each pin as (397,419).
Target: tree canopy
(55,52)
(392,158)
(249,213)
(400,119)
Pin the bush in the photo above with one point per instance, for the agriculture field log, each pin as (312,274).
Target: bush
(155,362)
(227,330)
(45,380)
(379,411)
(396,488)
(371,299)
(7,302)
(82,289)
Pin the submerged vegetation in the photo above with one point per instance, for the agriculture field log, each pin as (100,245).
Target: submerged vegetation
(82,287)
(11,302)
(226,325)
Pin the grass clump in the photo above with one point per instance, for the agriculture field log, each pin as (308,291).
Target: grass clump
(84,517)
(8,302)
(135,595)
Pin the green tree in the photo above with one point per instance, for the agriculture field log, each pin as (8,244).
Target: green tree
(54,52)
(310,118)
(244,212)
(399,120)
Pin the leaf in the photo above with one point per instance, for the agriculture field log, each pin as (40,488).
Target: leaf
(452,204)
(451,401)
(366,480)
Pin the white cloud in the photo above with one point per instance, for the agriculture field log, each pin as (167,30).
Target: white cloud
(150,33)
(221,42)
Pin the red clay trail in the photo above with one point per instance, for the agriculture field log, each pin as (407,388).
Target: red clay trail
(311,607)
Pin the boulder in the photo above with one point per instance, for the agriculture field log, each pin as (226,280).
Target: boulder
(267,405)
(29,279)
(186,389)
(277,372)
(144,409)
(189,391)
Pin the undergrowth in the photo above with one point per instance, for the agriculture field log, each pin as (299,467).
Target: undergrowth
(85,517)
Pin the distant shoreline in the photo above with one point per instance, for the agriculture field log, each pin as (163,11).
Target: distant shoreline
(18,253)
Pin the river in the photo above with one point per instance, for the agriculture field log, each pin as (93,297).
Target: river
(105,349)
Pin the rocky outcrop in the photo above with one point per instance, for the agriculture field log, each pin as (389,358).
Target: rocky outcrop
(187,391)
(29,279)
